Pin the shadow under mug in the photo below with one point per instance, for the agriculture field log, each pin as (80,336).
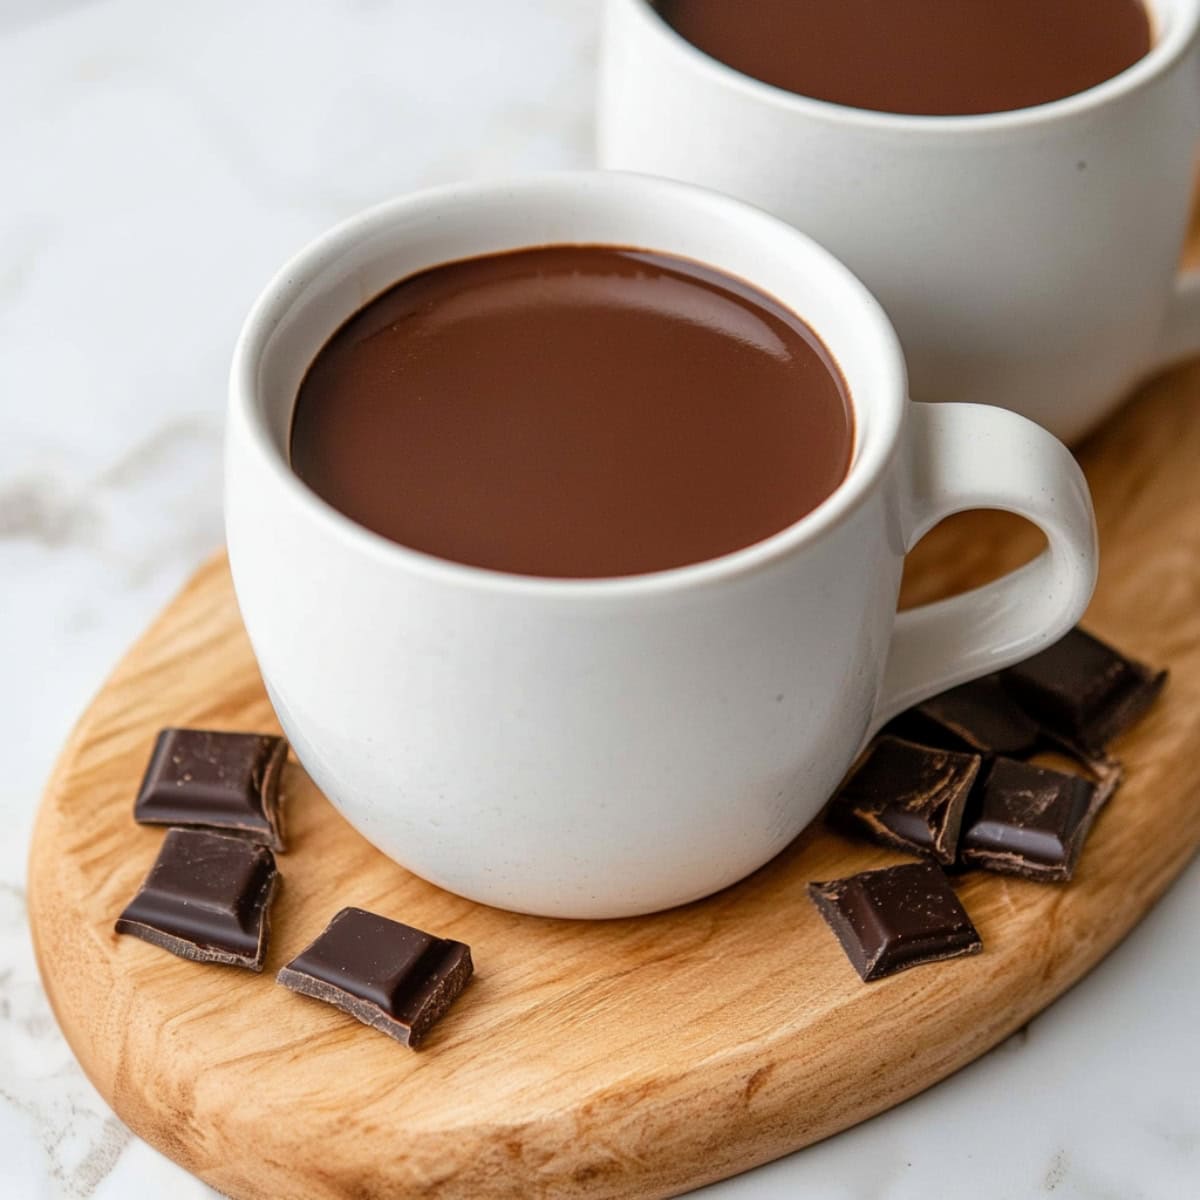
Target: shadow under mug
(600,748)
(1028,259)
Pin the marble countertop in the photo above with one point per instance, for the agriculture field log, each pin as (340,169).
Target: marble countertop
(159,161)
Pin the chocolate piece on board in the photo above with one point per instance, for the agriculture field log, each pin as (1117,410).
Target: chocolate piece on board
(1083,691)
(388,975)
(895,918)
(224,781)
(981,716)
(909,797)
(1032,820)
(207,898)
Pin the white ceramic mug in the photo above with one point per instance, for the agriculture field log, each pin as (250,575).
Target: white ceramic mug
(1028,259)
(599,748)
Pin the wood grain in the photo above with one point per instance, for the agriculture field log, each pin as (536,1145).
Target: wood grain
(636,1057)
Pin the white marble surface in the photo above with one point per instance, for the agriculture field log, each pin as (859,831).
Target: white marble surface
(157,161)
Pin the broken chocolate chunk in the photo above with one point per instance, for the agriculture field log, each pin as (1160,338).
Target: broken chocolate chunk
(895,918)
(1083,691)
(980,716)
(1032,820)
(207,898)
(908,797)
(388,975)
(223,781)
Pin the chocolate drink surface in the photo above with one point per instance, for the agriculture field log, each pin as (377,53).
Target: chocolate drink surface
(573,412)
(930,57)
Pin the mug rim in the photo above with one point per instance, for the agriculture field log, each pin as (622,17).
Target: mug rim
(290,283)
(1162,55)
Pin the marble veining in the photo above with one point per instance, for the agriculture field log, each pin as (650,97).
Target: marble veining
(159,162)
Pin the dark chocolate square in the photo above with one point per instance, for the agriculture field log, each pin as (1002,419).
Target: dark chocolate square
(224,781)
(207,898)
(980,716)
(1032,820)
(895,918)
(908,797)
(1083,691)
(388,975)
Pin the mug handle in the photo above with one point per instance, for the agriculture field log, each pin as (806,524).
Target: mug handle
(973,456)
(1181,336)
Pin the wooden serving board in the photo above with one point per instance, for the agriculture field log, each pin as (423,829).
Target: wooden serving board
(635,1057)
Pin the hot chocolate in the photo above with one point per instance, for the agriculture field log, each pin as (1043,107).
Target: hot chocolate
(933,57)
(573,411)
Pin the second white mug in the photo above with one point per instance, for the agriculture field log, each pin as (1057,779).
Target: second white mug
(1028,259)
